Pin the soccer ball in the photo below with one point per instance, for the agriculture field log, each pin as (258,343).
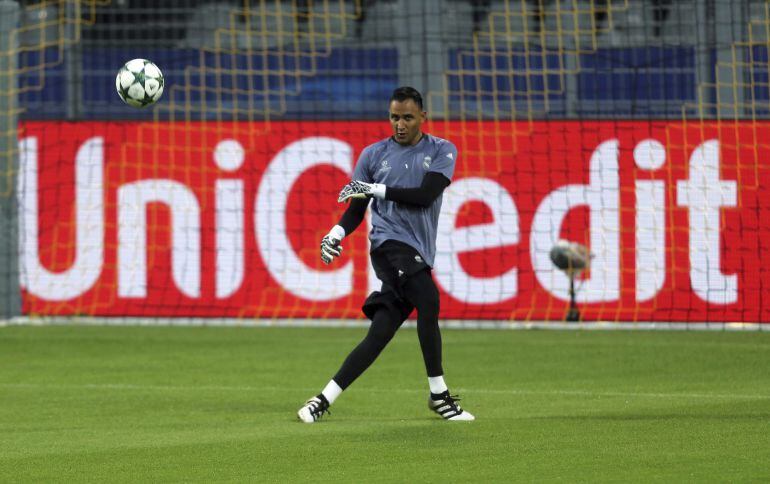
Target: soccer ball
(139,83)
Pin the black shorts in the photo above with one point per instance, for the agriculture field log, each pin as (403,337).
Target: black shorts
(394,263)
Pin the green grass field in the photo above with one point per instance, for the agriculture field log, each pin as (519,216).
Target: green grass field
(118,404)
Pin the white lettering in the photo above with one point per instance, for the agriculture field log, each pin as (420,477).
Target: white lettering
(602,196)
(132,236)
(450,241)
(650,222)
(270,219)
(230,236)
(704,193)
(89,221)
(229,156)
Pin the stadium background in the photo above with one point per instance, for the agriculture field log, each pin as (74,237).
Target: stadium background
(638,128)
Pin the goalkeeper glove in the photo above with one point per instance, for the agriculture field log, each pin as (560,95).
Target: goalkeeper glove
(330,244)
(359,189)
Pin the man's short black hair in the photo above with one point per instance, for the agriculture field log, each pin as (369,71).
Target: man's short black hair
(403,93)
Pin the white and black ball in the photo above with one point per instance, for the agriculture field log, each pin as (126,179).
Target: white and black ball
(139,83)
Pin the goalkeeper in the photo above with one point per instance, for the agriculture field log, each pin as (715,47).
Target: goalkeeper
(405,176)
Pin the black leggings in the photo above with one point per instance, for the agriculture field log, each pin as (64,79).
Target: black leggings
(422,293)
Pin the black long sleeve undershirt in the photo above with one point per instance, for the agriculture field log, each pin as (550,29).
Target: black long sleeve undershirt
(433,184)
(354,215)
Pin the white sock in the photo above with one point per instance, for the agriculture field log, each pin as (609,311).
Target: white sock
(437,384)
(331,391)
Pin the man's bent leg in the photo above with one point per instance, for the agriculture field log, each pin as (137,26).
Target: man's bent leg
(383,327)
(385,322)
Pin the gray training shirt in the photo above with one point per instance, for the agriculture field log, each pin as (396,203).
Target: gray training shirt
(393,165)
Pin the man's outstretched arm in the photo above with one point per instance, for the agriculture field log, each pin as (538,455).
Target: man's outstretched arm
(433,183)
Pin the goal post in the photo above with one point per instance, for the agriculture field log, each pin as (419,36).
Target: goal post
(10,305)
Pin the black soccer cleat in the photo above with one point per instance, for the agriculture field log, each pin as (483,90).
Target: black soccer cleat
(446,405)
(313,409)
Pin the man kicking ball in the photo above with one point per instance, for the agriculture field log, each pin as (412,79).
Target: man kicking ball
(405,175)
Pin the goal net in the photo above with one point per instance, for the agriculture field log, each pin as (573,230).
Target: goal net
(637,129)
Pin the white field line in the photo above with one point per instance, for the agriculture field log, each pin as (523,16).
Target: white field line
(241,388)
(359,323)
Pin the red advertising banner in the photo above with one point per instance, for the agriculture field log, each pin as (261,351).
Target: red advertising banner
(225,219)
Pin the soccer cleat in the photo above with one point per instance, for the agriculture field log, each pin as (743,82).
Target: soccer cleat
(446,405)
(313,409)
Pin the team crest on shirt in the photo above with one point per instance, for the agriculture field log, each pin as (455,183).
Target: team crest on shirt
(426,162)
(384,166)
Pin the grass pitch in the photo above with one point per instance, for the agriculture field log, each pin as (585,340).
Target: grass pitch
(119,404)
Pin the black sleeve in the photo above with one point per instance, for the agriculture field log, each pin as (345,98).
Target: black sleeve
(432,185)
(353,216)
